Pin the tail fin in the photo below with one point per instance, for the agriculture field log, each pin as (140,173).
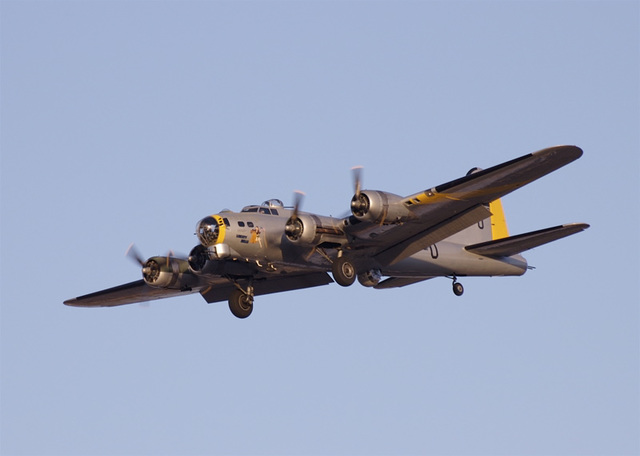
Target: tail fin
(490,229)
(498,221)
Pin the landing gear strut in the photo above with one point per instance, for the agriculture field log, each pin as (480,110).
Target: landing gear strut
(241,303)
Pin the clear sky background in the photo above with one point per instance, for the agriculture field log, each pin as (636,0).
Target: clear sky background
(130,121)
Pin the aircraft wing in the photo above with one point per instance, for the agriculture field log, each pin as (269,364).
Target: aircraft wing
(516,244)
(217,289)
(269,284)
(128,293)
(446,209)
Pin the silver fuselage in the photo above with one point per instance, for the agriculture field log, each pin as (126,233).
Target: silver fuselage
(258,238)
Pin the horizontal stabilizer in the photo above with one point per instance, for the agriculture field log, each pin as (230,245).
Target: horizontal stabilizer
(516,244)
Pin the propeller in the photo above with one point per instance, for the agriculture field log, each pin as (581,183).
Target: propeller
(293,228)
(359,202)
(133,253)
(149,267)
(356,172)
(298,196)
(169,255)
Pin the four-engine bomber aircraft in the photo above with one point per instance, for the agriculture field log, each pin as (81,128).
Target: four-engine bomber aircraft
(452,230)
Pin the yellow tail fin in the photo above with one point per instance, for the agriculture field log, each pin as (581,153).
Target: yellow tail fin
(498,222)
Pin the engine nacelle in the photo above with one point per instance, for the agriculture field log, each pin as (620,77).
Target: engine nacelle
(313,230)
(164,272)
(302,229)
(198,257)
(370,278)
(379,207)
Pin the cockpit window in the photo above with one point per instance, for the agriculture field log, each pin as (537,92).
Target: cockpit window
(273,203)
(267,207)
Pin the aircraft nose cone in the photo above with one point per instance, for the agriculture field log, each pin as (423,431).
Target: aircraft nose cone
(207,231)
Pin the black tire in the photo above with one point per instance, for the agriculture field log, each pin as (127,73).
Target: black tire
(240,304)
(344,272)
(458,289)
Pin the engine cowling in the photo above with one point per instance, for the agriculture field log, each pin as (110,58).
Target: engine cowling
(163,272)
(378,207)
(198,257)
(301,229)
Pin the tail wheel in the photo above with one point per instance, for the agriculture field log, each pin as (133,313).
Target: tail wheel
(344,272)
(240,304)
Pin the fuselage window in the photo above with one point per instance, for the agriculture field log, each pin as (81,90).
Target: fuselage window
(226,221)
(250,224)
(240,223)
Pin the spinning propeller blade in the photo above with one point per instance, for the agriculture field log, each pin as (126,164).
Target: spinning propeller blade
(357,179)
(298,196)
(133,253)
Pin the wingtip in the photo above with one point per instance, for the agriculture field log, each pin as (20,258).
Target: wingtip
(574,150)
(570,152)
(580,226)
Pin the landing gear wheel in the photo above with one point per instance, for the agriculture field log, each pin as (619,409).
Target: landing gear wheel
(344,272)
(240,304)
(458,289)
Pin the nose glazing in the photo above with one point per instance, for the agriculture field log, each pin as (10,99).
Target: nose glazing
(207,231)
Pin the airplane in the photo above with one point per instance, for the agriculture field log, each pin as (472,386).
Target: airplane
(452,230)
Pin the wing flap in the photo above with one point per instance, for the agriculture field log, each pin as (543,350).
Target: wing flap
(516,244)
(269,284)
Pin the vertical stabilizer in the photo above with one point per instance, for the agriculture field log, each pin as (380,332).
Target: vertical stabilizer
(490,229)
(498,221)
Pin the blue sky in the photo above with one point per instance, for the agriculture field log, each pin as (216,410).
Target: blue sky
(130,121)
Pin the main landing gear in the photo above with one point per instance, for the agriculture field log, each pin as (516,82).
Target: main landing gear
(343,271)
(458,289)
(241,302)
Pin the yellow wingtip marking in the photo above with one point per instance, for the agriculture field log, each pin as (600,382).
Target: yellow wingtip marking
(498,221)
